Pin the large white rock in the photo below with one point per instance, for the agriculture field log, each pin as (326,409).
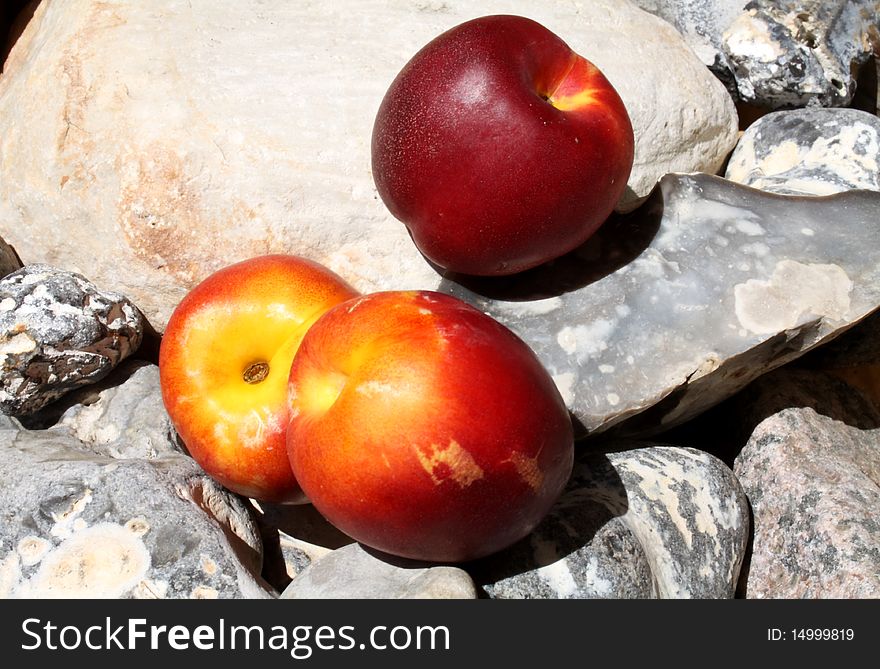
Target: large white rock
(147,144)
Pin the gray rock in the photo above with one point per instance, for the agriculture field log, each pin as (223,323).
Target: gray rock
(82,524)
(121,416)
(809,152)
(684,302)
(58,332)
(795,53)
(812,476)
(9,260)
(652,522)
(702,24)
(351,572)
(294,536)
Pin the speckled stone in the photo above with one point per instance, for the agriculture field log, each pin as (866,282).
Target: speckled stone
(670,310)
(351,572)
(59,332)
(87,517)
(795,53)
(809,152)
(648,522)
(812,476)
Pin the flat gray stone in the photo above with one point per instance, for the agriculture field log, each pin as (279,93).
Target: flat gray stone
(809,152)
(59,332)
(812,475)
(351,572)
(796,53)
(652,522)
(684,302)
(149,523)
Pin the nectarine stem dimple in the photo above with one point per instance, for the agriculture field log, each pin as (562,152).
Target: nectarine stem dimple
(256,372)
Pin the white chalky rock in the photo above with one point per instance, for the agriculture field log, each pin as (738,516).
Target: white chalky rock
(171,138)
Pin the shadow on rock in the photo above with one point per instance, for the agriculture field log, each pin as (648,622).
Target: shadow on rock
(579,529)
(619,241)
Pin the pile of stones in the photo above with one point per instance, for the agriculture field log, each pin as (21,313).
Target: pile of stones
(717,342)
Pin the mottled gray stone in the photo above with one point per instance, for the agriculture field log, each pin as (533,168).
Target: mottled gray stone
(80,523)
(9,260)
(684,302)
(351,572)
(813,481)
(702,24)
(58,332)
(794,53)
(651,522)
(809,152)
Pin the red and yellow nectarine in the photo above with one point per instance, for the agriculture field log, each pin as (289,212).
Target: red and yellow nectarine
(224,362)
(424,428)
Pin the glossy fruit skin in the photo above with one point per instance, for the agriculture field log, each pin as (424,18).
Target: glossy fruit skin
(424,428)
(254,311)
(500,148)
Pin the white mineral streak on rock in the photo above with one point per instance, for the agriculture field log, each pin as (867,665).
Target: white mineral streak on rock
(150,589)
(68,522)
(794,292)
(102,561)
(242,157)
(33,549)
(534,307)
(656,485)
(558,577)
(10,574)
(564,384)
(750,36)
(584,341)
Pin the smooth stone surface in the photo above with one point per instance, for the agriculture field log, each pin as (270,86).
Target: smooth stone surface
(80,523)
(351,572)
(795,53)
(809,152)
(58,332)
(237,161)
(811,472)
(651,522)
(9,260)
(682,304)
